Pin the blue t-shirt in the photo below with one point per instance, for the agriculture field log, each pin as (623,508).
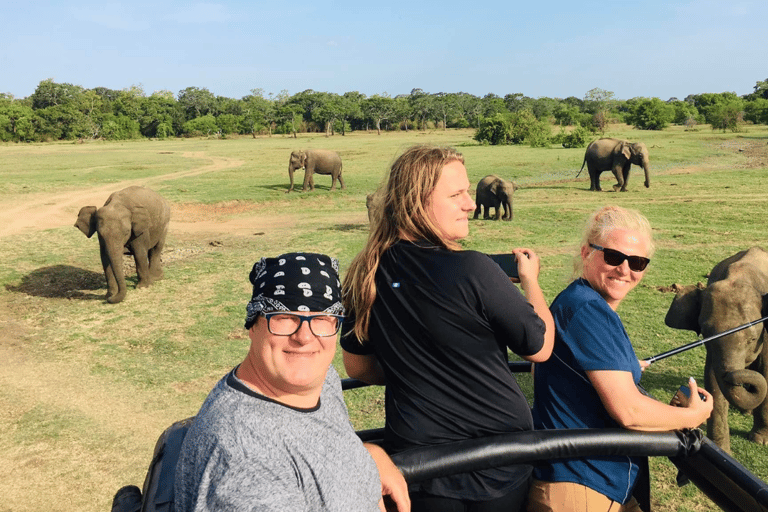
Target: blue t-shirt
(589,336)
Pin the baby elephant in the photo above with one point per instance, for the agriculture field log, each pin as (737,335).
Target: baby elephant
(736,366)
(495,192)
(135,221)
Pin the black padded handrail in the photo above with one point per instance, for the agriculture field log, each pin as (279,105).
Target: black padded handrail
(530,447)
(723,479)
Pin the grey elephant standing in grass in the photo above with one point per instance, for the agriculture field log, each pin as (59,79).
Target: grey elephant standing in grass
(736,367)
(320,161)
(132,221)
(615,155)
(495,192)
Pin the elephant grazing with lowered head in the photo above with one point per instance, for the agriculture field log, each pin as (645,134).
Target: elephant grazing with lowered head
(320,161)
(495,192)
(132,221)
(617,156)
(736,367)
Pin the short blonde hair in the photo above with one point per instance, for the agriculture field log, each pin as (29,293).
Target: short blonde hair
(606,219)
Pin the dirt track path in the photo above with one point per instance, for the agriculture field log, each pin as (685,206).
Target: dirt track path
(37,212)
(63,386)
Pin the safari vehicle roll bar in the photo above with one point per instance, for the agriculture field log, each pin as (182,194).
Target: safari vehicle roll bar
(730,485)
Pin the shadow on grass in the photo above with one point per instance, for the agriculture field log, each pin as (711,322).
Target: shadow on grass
(346,227)
(62,282)
(284,187)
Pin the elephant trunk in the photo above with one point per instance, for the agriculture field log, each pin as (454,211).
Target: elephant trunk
(744,389)
(647,169)
(507,204)
(290,175)
(112,259)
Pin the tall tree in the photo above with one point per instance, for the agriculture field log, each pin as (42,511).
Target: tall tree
(445,106)
(599,103)
(378,108)
(195,101)
(50,94)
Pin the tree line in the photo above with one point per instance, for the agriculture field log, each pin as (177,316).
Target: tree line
(62,111)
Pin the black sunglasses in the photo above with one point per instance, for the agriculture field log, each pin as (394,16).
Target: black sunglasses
(615,258)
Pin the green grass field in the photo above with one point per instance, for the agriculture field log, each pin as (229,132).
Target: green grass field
(86,387)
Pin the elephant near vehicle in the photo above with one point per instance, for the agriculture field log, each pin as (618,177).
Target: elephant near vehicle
(320,161)
(132,221)
(736,366)
(495,192)
(617,156)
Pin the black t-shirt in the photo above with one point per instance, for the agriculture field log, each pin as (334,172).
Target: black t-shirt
(440,327)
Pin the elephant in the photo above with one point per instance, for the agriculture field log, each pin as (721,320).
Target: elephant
(320,161)
(736,365)
(617,156)
(134,221)
(495,192)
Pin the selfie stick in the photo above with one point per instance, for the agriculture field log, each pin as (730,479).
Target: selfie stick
(689,346)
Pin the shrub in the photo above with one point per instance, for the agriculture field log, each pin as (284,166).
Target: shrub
(578,138)
(494,130)
(524,127)
(683,111)
(650,114)
(200,126)
(726,115)
(756,111)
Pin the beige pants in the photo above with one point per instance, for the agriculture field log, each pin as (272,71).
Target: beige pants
(571,497)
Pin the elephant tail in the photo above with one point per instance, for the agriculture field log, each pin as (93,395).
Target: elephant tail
(582,166)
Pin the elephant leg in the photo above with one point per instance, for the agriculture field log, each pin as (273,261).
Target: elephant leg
(155,262)
(620,184)
(109,271)
(759,432)
(308,180)
(141,257)
(717,423)
(487,214)
(341,182)
(594,177)
(477,209)
(626,177)
(621,178)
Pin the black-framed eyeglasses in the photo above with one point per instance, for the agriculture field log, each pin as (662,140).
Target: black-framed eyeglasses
(615,258)
(280,323)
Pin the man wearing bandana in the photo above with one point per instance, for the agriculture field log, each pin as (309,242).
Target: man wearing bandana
(274,434)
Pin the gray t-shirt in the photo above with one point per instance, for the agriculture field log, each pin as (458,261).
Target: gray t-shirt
(248,452)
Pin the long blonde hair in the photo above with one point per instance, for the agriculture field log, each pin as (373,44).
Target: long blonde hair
(606,219)
(401,212)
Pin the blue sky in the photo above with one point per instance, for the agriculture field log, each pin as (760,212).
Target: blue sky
(654,48)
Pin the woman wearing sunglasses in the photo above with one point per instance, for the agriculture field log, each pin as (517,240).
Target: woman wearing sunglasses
(590,381)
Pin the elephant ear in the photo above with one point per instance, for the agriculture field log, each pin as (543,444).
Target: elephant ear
(685,308)
(625,150)
(140,221)
(86,220)
(495,185)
